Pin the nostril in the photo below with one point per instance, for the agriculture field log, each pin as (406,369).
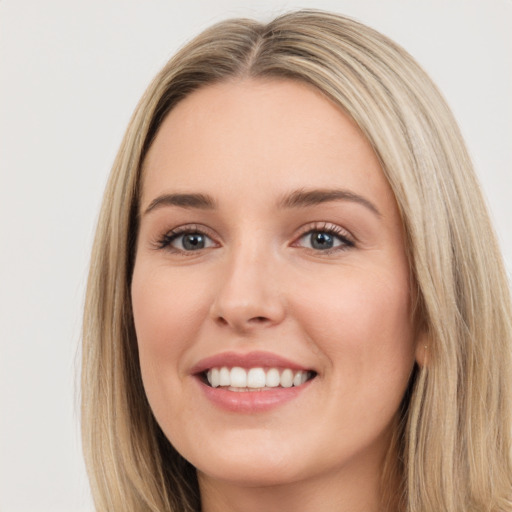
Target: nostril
(242,324)
(258,319)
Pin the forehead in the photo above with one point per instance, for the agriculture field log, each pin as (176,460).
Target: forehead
(245,134)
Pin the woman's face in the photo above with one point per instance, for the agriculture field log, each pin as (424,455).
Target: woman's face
(271,253)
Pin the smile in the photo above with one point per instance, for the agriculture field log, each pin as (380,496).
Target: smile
(253,382)
(256,379)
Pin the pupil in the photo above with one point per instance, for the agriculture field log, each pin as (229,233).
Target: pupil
(321,240)
(193,242)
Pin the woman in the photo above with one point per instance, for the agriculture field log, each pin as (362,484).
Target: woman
(296,299)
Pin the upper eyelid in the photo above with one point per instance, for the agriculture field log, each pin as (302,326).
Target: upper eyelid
(326,226)
(310,226)
(190,228)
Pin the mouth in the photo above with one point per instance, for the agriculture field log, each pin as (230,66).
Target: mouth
(240,379)
(254,382)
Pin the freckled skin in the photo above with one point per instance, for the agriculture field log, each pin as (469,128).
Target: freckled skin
(259,284)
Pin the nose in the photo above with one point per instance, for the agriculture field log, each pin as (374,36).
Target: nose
(249,296)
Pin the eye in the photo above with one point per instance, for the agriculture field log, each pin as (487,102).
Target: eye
(326,239)
(186,240)
(321,240)
(191,241)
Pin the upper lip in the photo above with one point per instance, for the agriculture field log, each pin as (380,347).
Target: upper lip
(248,360)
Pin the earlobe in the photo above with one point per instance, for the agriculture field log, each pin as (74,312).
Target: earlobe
(422,349)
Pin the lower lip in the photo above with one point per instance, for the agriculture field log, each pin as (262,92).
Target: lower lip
(251,401)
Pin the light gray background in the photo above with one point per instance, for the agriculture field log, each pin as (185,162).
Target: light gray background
(71,73)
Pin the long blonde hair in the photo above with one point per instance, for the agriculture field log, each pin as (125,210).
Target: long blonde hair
(452,447)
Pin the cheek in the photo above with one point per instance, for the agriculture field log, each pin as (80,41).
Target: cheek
(363,326)
(167,310)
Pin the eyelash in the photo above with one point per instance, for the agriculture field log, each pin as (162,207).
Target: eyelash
(338,232)
(165,242)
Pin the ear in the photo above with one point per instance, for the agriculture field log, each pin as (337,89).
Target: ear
(422,348)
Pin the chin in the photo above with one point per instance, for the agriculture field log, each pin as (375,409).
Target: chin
(257,474)
(252,465)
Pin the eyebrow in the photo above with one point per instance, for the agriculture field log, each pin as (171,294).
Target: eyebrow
(200,201)
(298,199)
(304,198)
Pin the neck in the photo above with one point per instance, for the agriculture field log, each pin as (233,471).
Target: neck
(348,490)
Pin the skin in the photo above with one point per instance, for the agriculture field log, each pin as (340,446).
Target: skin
(260,284)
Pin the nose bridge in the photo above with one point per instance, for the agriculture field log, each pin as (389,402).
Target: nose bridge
(248,293)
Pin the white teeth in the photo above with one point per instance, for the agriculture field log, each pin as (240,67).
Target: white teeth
(287,378)
(225,379)
(240,379)
(256,378)
(214,376)
(273,378)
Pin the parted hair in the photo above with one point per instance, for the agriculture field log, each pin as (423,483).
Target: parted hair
(452,445)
